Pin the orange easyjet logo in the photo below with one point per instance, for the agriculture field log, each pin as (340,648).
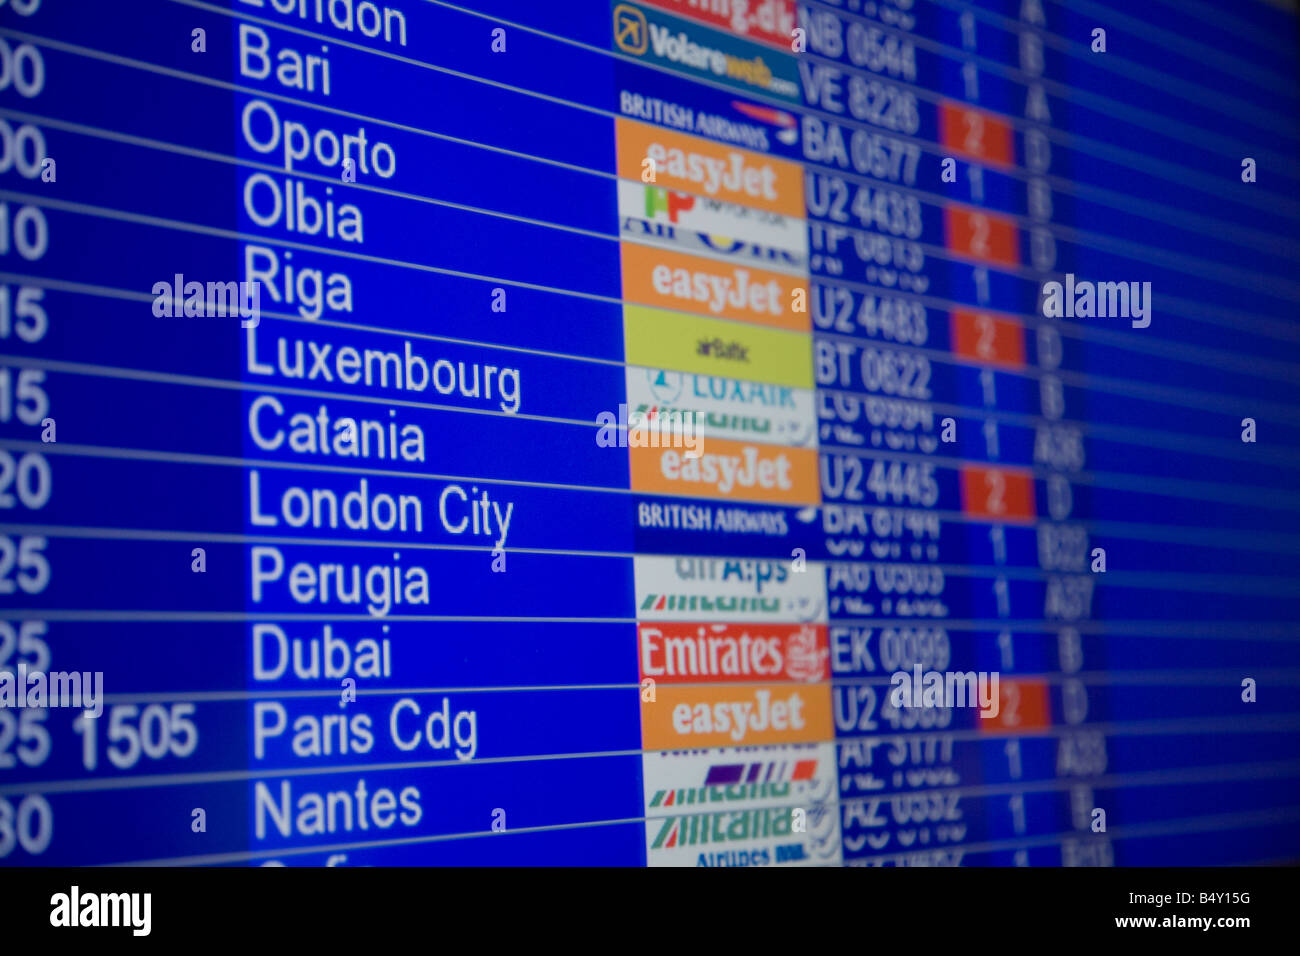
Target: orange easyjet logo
(729,469)
(699,166)
(684,716)
(673,280)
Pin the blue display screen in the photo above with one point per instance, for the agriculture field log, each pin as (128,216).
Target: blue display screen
(669,433)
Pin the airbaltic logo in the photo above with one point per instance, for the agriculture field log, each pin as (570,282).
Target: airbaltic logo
(216,300)
(1103,300)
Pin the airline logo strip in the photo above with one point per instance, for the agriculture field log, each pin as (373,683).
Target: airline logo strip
(733,653)
(742,806)
(716,328)
(734,661)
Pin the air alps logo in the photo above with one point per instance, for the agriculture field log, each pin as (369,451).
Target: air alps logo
(702,590)
(757,573)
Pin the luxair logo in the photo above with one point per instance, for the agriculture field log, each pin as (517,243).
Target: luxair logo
(132,910)
(668,386)
(725,407)
(726,827)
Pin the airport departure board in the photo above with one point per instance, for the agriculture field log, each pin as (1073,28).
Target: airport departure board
(658,433)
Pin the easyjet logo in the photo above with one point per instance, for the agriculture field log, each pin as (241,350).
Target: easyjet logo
(699,166)
(728,652)
(727,175)
(672,280)
(712,716)
(730,469)
(718,291)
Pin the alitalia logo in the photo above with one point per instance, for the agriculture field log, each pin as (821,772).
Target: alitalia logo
(726,827)
(702,602)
